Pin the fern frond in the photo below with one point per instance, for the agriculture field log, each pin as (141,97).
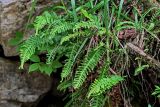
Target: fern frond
(155,15)
(64,85)
(102,84)
(76,98)
(42,20)
(84,24)
(101,31)
(73,35)
(52,53)
(28,49)
(68,66)
(97,101)
(86,66)
(61,28)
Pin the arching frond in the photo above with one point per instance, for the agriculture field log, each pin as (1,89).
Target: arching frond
(68,66)
(52,53)
(64,85)
(73,35)
(98,101)
(100,85)
(84,24)
(28,49)
(61,28)
(86,66)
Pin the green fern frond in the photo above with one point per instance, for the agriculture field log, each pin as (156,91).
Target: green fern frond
(76,98)
(86,66)
(42,20)
(72,36)
(102,84)
(155,15)
(97,101)
(68,66)
(52,53)
(101,31)
(84,24)
(28,49)
(61,28)
(64,85)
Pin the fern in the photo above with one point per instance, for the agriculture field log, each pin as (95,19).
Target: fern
(83,24)
(155,15)
(98,101)
(52,53)
(86,66)
(61,28)
(42,20)
(89,36)
(77,99)
(64,85)
(28,49)
(102,84)
(68,66)
(72,36)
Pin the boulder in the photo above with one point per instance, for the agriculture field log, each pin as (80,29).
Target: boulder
(13,17)
(19,87)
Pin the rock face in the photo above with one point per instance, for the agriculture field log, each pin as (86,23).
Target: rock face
(13,17)
(18,87)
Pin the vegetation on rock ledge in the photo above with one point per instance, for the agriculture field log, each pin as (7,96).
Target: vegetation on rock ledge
(110,47)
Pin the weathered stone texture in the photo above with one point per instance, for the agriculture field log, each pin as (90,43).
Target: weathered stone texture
(18,86)
(13,17)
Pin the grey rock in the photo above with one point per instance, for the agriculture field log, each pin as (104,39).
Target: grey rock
(13,17)
(9,104)
(19,86)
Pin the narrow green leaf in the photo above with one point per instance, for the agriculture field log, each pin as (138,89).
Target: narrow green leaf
(73,3)
(120,10)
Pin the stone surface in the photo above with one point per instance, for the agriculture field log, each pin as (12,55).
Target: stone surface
(18,87)
(13,17)
(9,104)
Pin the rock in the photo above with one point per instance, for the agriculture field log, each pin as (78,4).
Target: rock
(9,104)
(13,17)
(18,86)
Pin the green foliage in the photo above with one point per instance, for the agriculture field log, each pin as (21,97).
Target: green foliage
(17,39)
(156,91)
(87,37)
(98,101)
(34,67)
(100,85)
(35,58)
(140,69)
(88,64)
(69,64)
(28,48)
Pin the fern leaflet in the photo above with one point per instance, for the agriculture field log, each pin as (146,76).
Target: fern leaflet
(68,66)
(52,53)
(28,49)
(87,65)
(87,25)
(102,84)
(97,101)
